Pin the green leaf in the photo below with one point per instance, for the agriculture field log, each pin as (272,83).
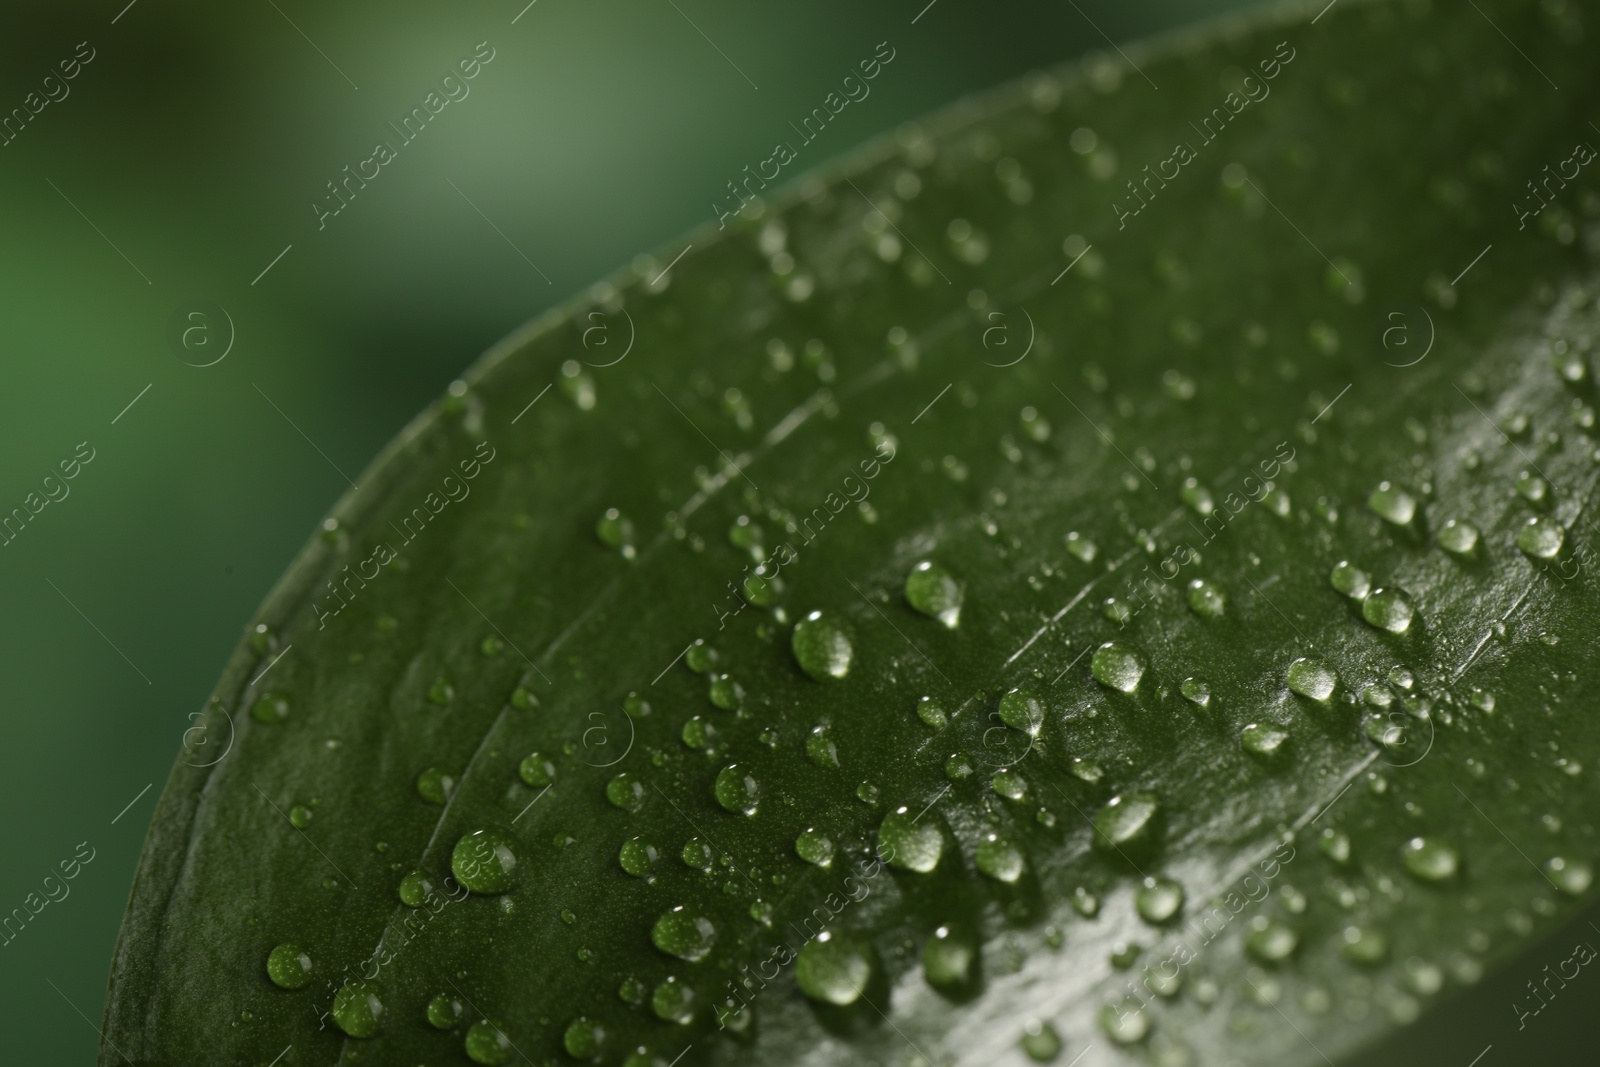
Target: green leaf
(971,619)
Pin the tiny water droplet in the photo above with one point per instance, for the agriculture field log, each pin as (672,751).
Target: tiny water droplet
(1335,845)
(1365,947)
(1085,903)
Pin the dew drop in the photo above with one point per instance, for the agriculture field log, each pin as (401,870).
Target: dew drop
(615,530)
(814,847)
(684,934)
(1263,740)
(908,843)
(358,1009)
(1124,1021)
(435,786)
(698,854)
(1081,547)
(1312,678)
(931,712)
(1195,691)
(484,861)
(584,1038)
(1269,940)
(1541,538)
(1206,599)
(626,791)
(1392,504)
(1570,877)
(1041,1042)
(1349,580)
(1335,845)
(822,646)
(1126,820)
(673,1002)
(537,770)
(270,708)
(444,1012)
(1458,537)
(300,816)
(1117,666)
(1388,609)
(934,591)
(1009,784)
(1085,903)
(289,966)
(1021,710)
(637,856)
(487,1044)
(999,858)
(831,970)
(1158,899)
(949,960)
(820,747)
(737,790)
(415,889)
(1364,946)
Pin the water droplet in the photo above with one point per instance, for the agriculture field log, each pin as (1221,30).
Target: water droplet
(1570,877)
(1117,666)
(814,847)
(625,791)
(999,858)
(1335,845)
(1021,710)
(1364,946)
(1085,903)
(1126,821)
(1041,1042)
(909,844)
(1392,504)
(584,1038)
(445,1011)
(1158,899)
(1087,770)
(1124,1021)
(699,733)
(820,748)
(1196,691)
(615,530)
(1206,599)
(270,708)
(1312,678)
(1197,496)
(934,591)
(831,970)
(931,712)
(1269,940)
(1541,538)
(637,856)
(1009,784)
(441,692)
(357,1009)
(1532,488)
(1459,538)
(537,770)
(484,861)
(684,934)
(415,889)
(957,767)
(289,966)
(697,853)
(1388,609)
(867,793)
(1350,580)
(1263,739)
(822,646)
(949,961)
(673,1002)
(300,816)
(1081,547)
(1482,699)
(487,1044)
(737,790)
(701,657)
(1431,861)
(724,692)
(435,786)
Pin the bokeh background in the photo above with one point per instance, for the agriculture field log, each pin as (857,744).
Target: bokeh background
(185,157)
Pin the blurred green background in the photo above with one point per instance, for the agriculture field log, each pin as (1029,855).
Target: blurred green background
(185,157)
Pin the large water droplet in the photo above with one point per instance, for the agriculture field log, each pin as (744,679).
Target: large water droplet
(1388,609)
(909,844)
(1206,599)
(627,792)
(1126,821)
(358,1009)
(1312,678)
(1431,861)
(1158,899)
(537,770)
(637,856)
(1349,580)
(949,960)
(1458,537)
(1021,710)
(684,934)
(814,847)
(584,1038)
(822,646)
(445,1011)
(1117,666)
(289,966)
(934,591)
(737,789)
(484,860)
(1541,538)
(831,970)
(1392,504)
(999,858)
(487,1044)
